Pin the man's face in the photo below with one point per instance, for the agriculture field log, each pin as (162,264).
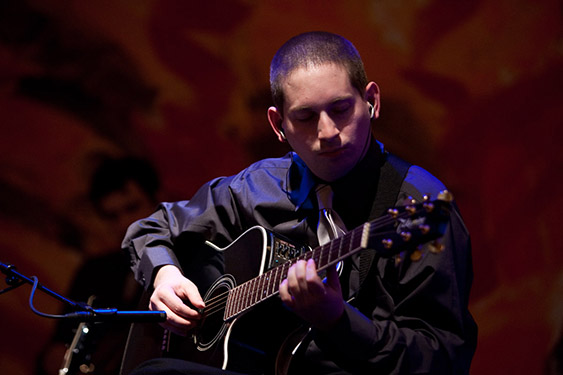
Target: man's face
(325,119)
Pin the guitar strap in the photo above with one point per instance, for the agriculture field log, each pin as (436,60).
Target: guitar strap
(392,173)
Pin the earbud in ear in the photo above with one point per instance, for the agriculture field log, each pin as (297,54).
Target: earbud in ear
(282,134)
(371,110)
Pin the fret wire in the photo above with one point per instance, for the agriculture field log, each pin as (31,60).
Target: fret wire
(270,274)
(285,269)
(315,254)
(319,254)
(344,246)
(228,305)
(260,288)
(247,291)
(283,272)
(267,285)
(351,243)
(333,245)
(354,244)
(267,281)
(240,295)
(325,258)
(360,235)
(340,248)
(252,292)
(236,300)
(264,286)
(273,281)
(231,301)
(324,254)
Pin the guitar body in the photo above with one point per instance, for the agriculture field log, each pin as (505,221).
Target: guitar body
(250,342)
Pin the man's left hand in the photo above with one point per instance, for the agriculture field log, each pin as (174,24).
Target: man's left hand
(304,292)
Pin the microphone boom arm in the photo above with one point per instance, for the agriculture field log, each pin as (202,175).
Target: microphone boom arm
(88,314)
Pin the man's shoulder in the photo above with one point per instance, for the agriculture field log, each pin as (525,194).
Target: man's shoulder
(259,172)
(269,164)
(419,182)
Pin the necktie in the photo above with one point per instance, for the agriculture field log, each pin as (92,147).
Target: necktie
(330,225)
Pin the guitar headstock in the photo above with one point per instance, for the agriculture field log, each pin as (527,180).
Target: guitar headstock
(405,228)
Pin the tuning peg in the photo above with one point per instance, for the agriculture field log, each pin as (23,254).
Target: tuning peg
(416,255)
(436,247)
(411,200)
(426,198)
(410,209)
(387,243)
(446,196)
(398,259)
(424,229)
(428,206)
(393,212)
(406,236)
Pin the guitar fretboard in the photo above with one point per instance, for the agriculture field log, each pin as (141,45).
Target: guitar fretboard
(266,285)
(403,227)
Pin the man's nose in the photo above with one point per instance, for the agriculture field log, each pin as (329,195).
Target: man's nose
(326,128)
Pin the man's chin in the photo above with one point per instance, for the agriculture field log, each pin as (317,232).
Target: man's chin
(331,174)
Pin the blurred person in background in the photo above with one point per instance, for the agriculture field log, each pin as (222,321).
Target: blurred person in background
(122,190)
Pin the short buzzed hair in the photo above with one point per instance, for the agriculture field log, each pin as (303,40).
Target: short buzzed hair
(314,49)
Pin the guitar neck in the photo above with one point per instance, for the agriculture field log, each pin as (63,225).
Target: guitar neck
(266,285)
(401,229)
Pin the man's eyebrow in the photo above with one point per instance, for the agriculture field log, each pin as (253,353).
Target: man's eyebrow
(301,108)
(342,99)
(336,100)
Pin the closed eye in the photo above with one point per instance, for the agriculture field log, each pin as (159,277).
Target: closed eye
(341,107)
(304,116)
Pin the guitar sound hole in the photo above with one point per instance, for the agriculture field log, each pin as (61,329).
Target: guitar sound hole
(213,327)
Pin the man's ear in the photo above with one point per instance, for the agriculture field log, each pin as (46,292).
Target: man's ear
(372,96)
(275,118)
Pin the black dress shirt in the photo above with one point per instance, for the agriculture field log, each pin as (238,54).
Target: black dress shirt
(410,317)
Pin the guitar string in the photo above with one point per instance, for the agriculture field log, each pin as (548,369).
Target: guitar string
(220,301)
(217,303)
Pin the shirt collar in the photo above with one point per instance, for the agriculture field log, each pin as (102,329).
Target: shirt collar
(301,181)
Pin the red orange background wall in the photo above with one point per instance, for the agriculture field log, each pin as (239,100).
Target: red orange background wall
(471,90)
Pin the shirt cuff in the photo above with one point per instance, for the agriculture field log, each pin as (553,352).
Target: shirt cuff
(151,260)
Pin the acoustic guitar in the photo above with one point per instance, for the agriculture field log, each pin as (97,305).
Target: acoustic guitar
(244,328)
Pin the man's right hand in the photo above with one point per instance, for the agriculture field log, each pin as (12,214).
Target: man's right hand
(171,289)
